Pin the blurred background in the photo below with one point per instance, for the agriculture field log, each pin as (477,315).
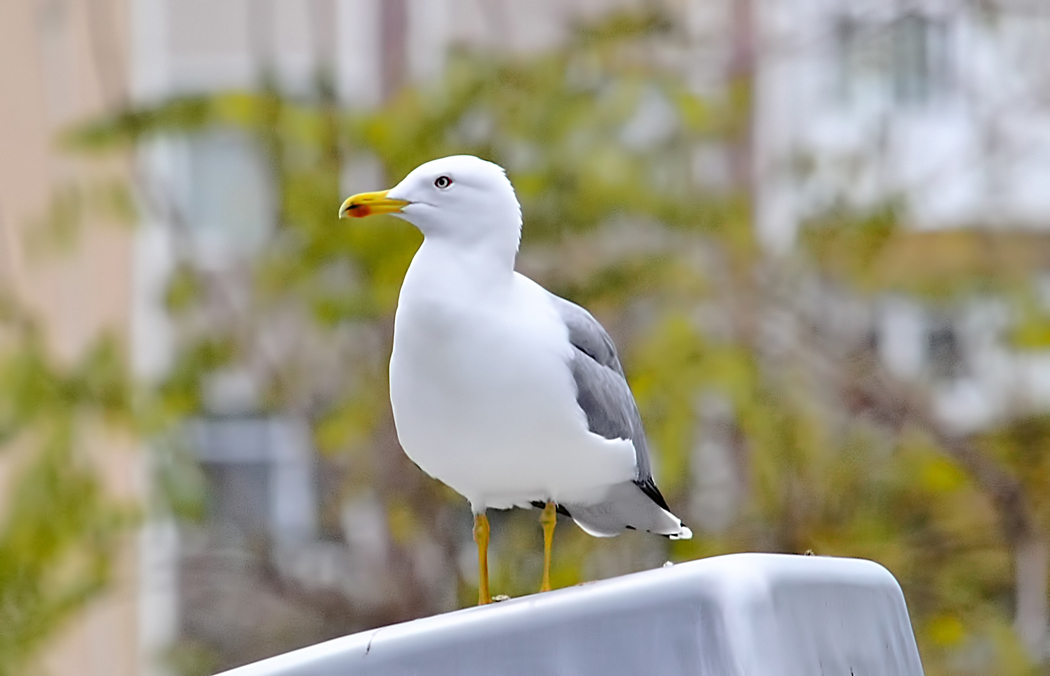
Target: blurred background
(819,231)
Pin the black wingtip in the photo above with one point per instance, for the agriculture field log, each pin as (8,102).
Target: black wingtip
(648,487)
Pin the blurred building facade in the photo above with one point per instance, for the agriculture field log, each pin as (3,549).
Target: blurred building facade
(65,62)
(861,102)
(941,105)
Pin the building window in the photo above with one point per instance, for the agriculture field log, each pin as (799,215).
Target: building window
(237,495)
(944,354)
(260,475)
(902,62)
(228,200)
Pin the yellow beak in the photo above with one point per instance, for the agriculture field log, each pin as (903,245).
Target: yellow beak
(369,203)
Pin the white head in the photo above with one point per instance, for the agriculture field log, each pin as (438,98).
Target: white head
(462,199)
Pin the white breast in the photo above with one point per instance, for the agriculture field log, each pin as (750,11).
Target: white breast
(483,397)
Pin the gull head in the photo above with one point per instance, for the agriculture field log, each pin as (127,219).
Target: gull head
(460,198)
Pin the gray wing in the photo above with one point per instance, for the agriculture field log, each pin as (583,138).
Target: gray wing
(603,394)
(602,390)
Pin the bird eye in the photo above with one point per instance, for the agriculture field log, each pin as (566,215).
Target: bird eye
(443,182)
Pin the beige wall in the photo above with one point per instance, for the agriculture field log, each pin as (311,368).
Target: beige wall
(60,63)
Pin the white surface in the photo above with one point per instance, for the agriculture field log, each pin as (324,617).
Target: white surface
(735,615)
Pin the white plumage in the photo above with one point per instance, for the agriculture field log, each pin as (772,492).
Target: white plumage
(482,394)
(505,392)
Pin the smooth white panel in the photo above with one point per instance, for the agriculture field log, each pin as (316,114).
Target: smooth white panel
(736,615)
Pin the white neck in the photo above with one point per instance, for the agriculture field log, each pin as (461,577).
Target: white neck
(441,265)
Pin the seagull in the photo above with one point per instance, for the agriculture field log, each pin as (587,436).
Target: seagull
(507,393)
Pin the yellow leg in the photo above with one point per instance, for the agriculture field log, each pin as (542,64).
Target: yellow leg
(548,519)
(481,536)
